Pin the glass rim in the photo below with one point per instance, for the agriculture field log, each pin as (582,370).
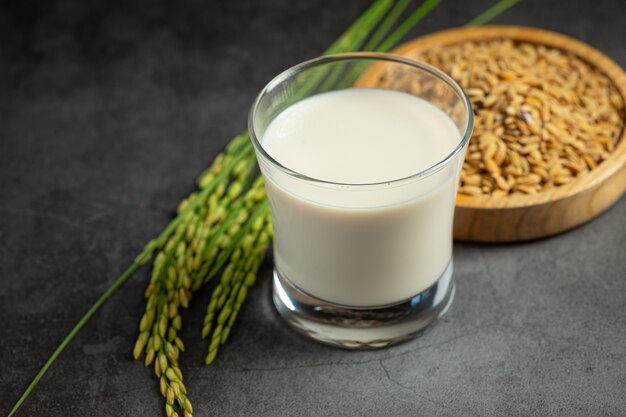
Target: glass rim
(373,56)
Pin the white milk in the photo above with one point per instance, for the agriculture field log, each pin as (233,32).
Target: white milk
(361,245)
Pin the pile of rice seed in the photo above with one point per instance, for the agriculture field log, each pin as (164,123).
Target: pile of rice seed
(542,116)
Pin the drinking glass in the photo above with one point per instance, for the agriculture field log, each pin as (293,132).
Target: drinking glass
(335,280)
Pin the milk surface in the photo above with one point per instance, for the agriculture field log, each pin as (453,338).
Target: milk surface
(354,244)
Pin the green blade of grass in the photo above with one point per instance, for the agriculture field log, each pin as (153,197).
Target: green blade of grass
(351,40)
(386,25)
(391,41)
(491,13)
(118,282)
(407,25)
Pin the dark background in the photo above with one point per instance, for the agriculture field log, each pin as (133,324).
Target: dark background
(109,110)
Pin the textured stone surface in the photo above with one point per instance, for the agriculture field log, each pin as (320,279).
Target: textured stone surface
(108,110)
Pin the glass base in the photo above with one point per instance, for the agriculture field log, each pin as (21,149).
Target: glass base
(362,328)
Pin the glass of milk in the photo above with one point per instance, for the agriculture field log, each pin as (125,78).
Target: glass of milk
(361,155)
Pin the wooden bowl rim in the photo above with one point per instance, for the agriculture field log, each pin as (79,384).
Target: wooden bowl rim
(615,161)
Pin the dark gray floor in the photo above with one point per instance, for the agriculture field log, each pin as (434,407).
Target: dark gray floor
(107,113)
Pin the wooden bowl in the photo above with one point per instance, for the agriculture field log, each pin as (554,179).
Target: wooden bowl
(522,217)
